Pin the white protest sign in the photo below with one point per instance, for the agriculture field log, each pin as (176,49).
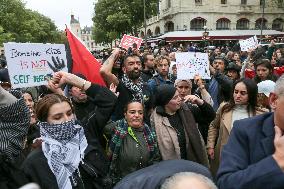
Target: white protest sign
(250,43)
(29,64)
(191,63)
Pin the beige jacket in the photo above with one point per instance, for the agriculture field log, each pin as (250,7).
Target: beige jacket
(220,129)
(168,140)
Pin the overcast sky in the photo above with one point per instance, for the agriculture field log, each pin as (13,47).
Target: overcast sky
(60,10)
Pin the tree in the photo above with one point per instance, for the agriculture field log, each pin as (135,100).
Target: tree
(120,16)
(19,24)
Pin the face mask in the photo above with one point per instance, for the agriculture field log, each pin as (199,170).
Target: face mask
(62,132)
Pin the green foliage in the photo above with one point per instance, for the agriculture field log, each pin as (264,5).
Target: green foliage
(19,24)
(120,16)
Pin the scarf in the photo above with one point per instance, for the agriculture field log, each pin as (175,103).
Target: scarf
(14,125)
(136,89)
(120,132)
(63,146)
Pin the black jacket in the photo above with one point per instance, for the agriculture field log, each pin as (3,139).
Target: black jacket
(95,168)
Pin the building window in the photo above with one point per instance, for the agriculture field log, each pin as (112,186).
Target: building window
(258,24)
(280,3)
(277,24)
(223,2)
(157,30)
(169,26)
(223,24)
(243,2)
(197,24)
(198,2)
(169,3)
(242,24)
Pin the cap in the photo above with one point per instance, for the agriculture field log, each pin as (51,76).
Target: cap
(266,87)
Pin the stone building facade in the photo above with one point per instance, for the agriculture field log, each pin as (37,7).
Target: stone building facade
(175,15)
(85,34)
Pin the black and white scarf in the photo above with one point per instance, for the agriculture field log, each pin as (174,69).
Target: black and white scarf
(63,146)
(135,88)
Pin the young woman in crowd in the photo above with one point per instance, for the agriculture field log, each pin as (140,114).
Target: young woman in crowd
(70,156)
(264,71)
(242,104)
(133,143)
(176,127)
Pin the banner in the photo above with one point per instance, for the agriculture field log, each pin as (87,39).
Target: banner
(191,63)
(29,64)
(128,41)
(250,43)
(83,61)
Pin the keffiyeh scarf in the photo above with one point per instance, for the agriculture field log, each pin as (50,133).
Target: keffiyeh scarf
(63,146)
(136,89)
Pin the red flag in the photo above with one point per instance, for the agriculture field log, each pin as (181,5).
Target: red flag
(83,61)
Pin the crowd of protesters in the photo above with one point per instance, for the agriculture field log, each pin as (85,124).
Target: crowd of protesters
(147,128)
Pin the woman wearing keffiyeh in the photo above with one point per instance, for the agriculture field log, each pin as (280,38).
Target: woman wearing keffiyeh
(70,156)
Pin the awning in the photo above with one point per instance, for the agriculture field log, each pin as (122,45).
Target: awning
(218,35)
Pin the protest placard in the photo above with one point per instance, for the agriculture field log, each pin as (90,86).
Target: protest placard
(29,64)
(128,41)
(191,63)
(250,43)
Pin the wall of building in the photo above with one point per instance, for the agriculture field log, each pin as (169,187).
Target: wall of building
(181,12)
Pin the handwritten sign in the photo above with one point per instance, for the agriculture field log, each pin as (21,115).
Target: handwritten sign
(191,63)
(250,43)
(29,64)
(128,41)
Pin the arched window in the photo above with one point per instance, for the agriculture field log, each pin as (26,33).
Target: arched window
(277,24)
(157,30)
(258,23)
(142,35)
(223,24)
(169,26)
(149,33)
(198,2)
(242,24)
(169,4)
(197,23)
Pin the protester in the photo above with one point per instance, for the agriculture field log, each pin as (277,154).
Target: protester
(264,71)
(130,86)
(176,127)
(242,104)
(71,155)
(133,143)
(200,113)
(188,180)
(233,71)
(264,89)
(14,125)
(148,70)
(162,65)
(220,85)
(253,156)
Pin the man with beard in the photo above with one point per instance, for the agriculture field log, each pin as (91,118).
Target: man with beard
(148,71)
(130,86)
(162,65)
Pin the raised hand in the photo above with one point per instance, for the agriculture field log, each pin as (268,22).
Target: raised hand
(58,64)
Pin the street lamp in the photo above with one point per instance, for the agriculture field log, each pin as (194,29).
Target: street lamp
(145,24)
(262,21)
(205,35)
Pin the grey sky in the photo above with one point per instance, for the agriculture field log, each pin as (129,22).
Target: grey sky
(60,10)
